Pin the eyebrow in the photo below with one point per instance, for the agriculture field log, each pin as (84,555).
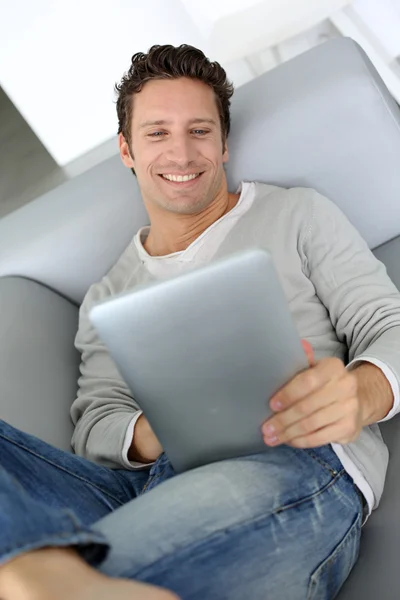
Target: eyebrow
(164,122)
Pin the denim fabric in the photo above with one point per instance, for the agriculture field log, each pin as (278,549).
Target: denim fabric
(283,524)
(160,471)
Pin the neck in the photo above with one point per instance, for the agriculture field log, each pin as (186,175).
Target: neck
(170,232)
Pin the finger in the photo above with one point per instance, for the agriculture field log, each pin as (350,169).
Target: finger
(324,417)
(336,433)
(334,392)
(305,383)
(309,352)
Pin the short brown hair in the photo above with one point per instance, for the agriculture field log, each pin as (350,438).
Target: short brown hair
(172,62)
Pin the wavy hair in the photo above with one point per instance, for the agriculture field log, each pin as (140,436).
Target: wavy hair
(172,62)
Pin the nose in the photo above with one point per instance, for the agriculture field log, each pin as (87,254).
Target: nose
(181,150)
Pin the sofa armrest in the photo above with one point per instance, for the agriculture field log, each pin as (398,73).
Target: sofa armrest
(39,365)
(70,237)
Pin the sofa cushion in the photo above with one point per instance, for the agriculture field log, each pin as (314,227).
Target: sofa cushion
(39,366)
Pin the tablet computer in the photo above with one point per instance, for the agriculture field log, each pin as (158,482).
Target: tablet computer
(203,353)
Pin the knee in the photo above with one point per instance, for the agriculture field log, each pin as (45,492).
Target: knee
(236,487)
(200,501)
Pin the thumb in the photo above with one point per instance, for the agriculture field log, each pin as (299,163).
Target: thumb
(309,352)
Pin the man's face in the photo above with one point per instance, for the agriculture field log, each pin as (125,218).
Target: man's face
(176,133)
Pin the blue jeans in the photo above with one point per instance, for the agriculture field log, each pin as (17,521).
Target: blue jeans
(281,524)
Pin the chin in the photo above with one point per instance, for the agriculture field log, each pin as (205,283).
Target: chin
(186,208)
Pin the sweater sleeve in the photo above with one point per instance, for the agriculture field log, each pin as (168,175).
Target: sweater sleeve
(104,407)
(362,301)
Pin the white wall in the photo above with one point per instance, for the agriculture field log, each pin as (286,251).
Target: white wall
(383,18)
(59,60)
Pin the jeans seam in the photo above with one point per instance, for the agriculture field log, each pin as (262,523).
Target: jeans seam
(336,477)
(153,478)
(50,462)
(321,462)
(333,556)
(253,521)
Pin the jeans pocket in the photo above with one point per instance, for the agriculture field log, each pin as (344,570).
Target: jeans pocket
(327,579)
(159,472)
(326,458)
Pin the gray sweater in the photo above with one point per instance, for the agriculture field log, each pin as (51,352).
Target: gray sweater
(341,298)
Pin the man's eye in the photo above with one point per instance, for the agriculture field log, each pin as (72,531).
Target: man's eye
(200,131)
(157,134)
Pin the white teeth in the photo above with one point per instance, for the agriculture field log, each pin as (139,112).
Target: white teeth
(181,177)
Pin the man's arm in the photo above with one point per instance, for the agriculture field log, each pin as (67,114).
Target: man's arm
(104,407)
(145,447)
(375,392)
(329,403)
(362,301)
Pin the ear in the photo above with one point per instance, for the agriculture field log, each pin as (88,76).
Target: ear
(225,154)
(125,152)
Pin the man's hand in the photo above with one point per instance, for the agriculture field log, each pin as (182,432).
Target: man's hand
(320,405)
(145,447)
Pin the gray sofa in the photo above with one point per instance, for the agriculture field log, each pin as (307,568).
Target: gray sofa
(323,120)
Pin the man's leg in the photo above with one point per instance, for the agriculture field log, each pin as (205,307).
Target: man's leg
(283,521)
(51,497)
(283,524)
(48,499)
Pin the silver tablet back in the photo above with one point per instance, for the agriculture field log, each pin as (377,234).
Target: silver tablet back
(203,353)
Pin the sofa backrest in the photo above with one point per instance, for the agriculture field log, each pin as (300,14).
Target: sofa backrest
(324,120)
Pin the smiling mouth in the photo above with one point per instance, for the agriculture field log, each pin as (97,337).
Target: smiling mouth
(181,178)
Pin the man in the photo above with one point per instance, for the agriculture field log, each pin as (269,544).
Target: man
(280,524)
